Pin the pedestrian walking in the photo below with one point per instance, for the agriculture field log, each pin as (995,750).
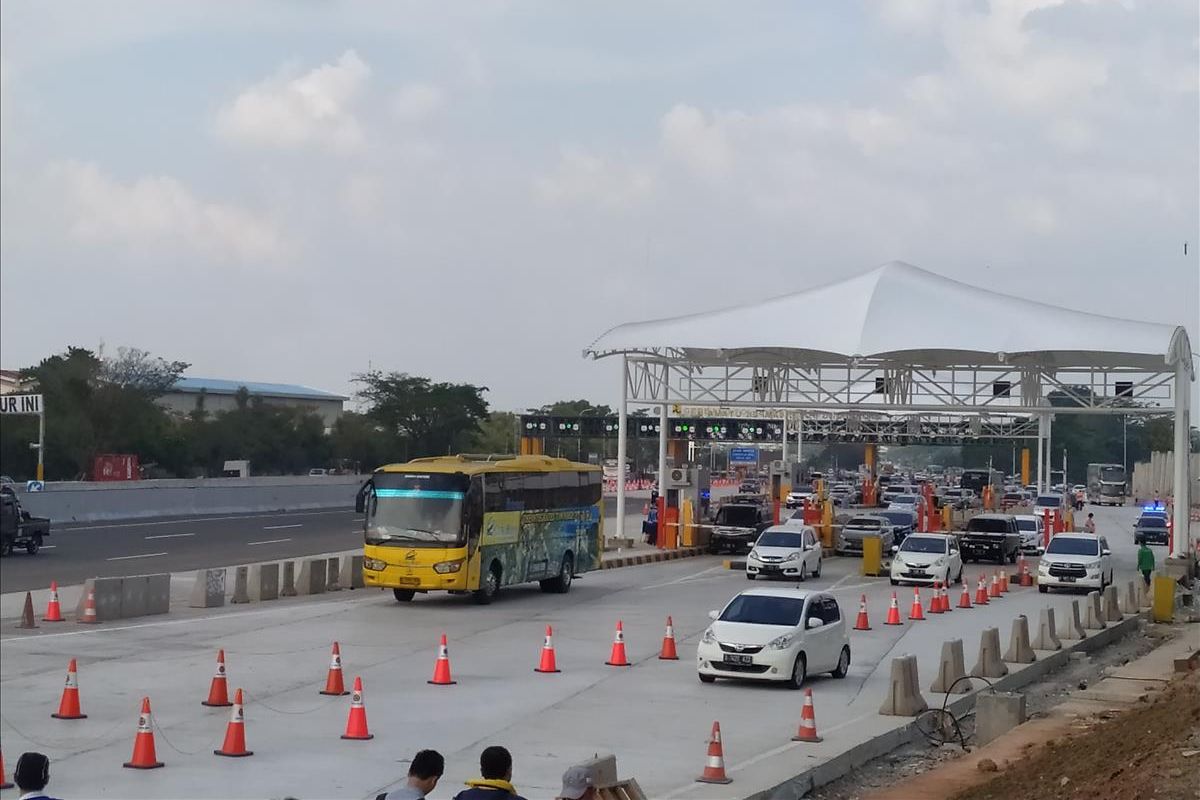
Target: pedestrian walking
(1145,562)
(1090,525)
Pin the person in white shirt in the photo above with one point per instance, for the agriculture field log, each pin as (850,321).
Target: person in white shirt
(31,776)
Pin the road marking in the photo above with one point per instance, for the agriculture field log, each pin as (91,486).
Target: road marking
(268,541)
(838,582)
(139,555)
(277,527)
(685,578)
(360,519)
(169,536)
(190,520)
(49,546)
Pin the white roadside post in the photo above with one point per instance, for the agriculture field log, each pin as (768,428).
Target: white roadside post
(1182,488)
(622,436)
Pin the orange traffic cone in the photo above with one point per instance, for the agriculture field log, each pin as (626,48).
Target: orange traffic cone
(617,658)
(1026,578)
(218,690)
(915,613)
(946,607)
(356,723)
(441,670)
(144,756)
(68,706)
(808,721)
(981,592)
(333,681)
(964,601)
(4,781)
(548,662)
(994,589)
(235,732)
(935,602)
(893,617)
(714,765)
(1004,581)
(89,612)
(53,608)
(862,623)
(668,652)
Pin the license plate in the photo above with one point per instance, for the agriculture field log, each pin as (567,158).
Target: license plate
(410,581)
(1068,578)
(732,659)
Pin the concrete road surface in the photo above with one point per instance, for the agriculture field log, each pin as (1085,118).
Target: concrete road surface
(654,716)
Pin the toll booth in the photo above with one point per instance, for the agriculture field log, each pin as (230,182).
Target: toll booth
(686,492)
(780,482)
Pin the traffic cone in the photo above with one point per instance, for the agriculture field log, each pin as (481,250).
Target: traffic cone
(53,609)
(714,765)
(356,723)
(946,608)
(89,611)
(333,681)
(668,652)
(981,593)
(548,662)
(1004,581)
(893,617)
(235,732)
(27,620)
(143,744)
(994,589)
(935,602)
(68,706)
(862,623)
(4,781)
(915,613)
(441,669)
(808,721)
(218,690)
(1026,578)
(617,658)
(964,601)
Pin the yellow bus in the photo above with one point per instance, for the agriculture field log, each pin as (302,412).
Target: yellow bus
(477,523)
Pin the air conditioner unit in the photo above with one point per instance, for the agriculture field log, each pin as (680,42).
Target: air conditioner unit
(678,477)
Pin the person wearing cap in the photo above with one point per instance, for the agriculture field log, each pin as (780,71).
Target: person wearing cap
(1090,525)
(579,783)
(495,781)
(424,772)
(31,776)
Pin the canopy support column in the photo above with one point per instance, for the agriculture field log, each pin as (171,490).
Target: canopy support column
(1041,456)
(1182,481)
(622,447)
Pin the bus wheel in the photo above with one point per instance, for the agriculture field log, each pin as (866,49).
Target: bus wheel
(561,584)
(403,595)
(489,586)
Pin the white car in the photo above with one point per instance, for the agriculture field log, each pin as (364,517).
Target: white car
(907,502)
(785,551)
(1076,561)
(1032,534)
(925,558)
(796,497)
(778,635)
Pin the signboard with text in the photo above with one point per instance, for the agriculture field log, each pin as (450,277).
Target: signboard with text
(743,455)
(20,404)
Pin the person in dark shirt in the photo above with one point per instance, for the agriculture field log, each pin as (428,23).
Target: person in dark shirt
(495,781)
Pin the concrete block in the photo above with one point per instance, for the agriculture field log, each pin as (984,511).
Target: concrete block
(133,596)
(1143,592)
(1112,609)
(1093,619)
(990,665)
(904,691)
(311,578)
(350,576)
(241,585)
(1047,637)
(287,586)
(264,582)
(1074,626)
(1019,651)
(209,589)
(331,575)
(108,592)
(158,593)
(997,713)
(951,668)
(1129,600)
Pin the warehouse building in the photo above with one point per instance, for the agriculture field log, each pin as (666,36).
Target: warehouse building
(221,395)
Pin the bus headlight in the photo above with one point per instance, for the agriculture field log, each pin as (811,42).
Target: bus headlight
(446,567)
(375,564)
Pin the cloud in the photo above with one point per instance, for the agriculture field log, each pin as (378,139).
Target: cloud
(698,142)
(157,212)
(583,178)
(416,102)
(288,111)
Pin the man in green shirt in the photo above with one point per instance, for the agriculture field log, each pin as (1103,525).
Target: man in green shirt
(1145,562)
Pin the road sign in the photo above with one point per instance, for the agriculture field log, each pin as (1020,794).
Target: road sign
(21,404)
(743,455)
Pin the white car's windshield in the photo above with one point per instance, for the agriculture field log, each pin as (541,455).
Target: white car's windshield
(1073,547)
(781,539)
(923,544)
(905,499)
(1049,501)
(761,609)
(1028,524)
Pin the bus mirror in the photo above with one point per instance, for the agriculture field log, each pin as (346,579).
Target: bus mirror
(360,499)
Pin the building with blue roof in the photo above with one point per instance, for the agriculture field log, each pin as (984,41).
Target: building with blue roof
(221,395)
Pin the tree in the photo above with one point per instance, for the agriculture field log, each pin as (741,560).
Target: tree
(498,433)
(426,418)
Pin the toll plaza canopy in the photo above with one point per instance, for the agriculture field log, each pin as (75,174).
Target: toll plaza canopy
(901,339)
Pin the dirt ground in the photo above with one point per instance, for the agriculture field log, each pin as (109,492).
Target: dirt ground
(1146,752)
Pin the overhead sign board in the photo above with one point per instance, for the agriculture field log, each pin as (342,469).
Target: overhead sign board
(20,404)
(743,455)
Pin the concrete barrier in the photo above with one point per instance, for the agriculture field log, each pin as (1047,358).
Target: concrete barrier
(1093,613)
(1129,600)
(990,665)
(1074,626)
(350,575)
(1144,598)
(311,578)
(108,593)
(127,596)
(158,593)
(1112,609)
(1019,651)
(951,668)
(241,585)
(134,589)
(331,574)
(904,692)
(997,713)
(264,582)
(209,589)
(1047,637)
(287,586)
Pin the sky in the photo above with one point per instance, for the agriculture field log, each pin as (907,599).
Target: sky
(297,191)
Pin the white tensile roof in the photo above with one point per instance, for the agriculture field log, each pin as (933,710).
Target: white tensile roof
(902,312)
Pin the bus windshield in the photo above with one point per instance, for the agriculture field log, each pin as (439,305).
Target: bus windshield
(416,510)
(1112,474)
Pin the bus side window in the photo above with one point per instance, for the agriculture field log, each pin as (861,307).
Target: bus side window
(473,518)
(595,486)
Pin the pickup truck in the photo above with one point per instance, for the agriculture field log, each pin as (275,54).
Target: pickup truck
(991,537)
(849,540)
(737,526)
(18,528)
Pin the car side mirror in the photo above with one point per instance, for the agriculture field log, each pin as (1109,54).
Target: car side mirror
(895,548)
(714,614)
(1106,552)
(814,622)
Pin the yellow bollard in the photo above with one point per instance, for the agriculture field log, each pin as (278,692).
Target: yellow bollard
(872,559)
(1070,521)
(947,519)
(687,518)
(1163,604)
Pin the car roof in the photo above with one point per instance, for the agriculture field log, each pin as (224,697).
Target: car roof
(1050,494)
(785,528)
(1028,518)
(994,516)
(1075,535)
(781,591)
(927,535)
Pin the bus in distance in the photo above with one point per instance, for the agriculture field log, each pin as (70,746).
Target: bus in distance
(473,524)
(1106,484)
